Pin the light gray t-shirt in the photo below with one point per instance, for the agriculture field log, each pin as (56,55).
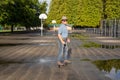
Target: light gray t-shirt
(63,31)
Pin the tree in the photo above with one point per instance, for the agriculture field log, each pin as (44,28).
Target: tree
(59,8)
(86,13)
(112,9)
(90,13)
(79,12)
(54,11)
(22,12)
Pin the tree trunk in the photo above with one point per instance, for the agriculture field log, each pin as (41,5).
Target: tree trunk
(12,28)
(27,28)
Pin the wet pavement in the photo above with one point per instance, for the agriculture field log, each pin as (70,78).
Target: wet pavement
(32,57)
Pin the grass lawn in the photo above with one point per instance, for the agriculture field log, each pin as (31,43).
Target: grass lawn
(84,38)
(9,30)
(79,36)
(5,30)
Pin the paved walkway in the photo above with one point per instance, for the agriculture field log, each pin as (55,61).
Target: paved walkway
(32,57)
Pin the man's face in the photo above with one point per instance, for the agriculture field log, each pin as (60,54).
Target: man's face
(64,21)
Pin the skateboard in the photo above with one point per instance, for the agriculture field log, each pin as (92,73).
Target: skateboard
(65,64)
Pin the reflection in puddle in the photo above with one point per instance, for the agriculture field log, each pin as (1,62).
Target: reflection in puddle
(10,44)
(50,44)
(35,44)
(110,46)
(111,68)
(98,45)
(85,59)
(47,60)
(113,74)
(25,61)
(14,38)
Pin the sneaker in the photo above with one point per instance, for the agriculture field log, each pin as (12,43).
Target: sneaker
(59,63)
(67,61)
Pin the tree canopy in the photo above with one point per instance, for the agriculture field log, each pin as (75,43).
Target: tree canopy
(112,9)
(83,12)
(22,12)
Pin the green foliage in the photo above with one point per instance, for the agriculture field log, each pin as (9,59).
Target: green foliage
(112,9)
(85,60)
(91,44)
(21,12)
(107,65)
(84,12)
(79,12)
(79,36)
(85,43)
(55,11)
(90,13)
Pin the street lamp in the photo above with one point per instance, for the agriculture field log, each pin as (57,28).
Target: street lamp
(54,21)
(42,17)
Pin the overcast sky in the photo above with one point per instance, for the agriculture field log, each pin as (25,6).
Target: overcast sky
(48,2)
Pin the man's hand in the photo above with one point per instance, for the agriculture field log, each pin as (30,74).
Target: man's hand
(63,42)
(60,38)
(68,40)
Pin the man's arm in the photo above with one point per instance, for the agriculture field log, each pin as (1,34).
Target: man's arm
(60,38)
(68,39)
(59,34)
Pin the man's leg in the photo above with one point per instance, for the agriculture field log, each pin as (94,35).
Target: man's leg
(66,54)
(60,53)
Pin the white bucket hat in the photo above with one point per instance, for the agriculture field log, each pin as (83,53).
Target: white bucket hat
(64,18)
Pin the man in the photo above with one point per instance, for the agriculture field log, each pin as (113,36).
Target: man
(63,40)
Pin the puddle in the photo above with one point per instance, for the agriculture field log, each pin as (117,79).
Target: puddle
(45,60)
(49,44)
(12,44)
(14,38)
(111,68)
(110,46)
(25,61)
(97,45)
(85,60)
(34,44)
(7,63)
(20,38)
